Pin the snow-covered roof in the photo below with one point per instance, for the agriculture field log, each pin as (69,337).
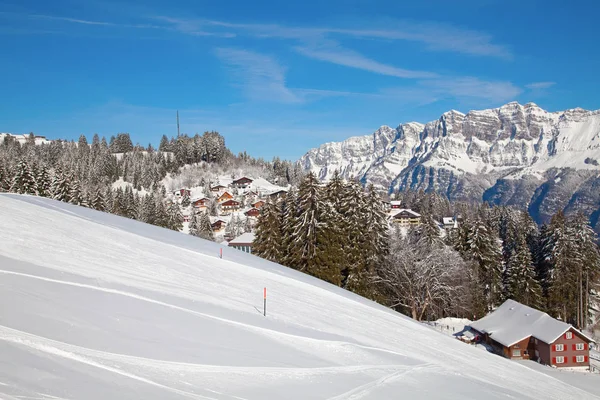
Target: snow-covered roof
(512,322)
(244,238)
(396,202)
(408,210)
(447,220)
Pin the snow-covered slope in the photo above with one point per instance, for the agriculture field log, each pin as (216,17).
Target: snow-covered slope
(95,306)
(495,153)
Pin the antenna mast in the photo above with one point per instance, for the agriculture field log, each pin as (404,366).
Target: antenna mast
(177,123)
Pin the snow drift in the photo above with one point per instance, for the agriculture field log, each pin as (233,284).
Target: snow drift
(95,306)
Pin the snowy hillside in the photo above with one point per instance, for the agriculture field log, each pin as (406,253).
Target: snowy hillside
(515,154)
(96,306)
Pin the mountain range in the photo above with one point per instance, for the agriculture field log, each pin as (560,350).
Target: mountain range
(518,155)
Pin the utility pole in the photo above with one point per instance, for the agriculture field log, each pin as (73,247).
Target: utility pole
(177,123)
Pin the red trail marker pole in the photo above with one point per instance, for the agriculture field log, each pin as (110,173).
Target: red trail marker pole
(221,253)
(265,301)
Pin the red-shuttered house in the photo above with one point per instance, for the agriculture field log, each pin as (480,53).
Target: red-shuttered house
(253,212)
(524,333)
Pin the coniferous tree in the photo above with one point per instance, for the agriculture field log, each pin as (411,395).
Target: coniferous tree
(61,186)
(520,278)
(5,179)
(98,202)
(205,230)
(267,241)
(76,195)
(289,218)
(303,247)
(185,201)
(43,182)
(175,217)
(23,180)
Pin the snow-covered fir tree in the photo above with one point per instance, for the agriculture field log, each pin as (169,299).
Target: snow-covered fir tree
(23,181)
(61,186)
(267,241)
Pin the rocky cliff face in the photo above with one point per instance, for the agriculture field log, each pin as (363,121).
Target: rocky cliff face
(516,154)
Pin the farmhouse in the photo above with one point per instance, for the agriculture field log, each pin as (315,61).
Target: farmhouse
(230,205)
(395,204)
(218,225)
(241,183)
(449,223)
(201,203)
(225,197)
(253,212)
(243,242)
(182,192)
(279,194)
(258,204)
(217,188)
(406,217)
(524,333)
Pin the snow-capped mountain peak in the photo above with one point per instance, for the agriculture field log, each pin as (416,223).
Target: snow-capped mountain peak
(481,148)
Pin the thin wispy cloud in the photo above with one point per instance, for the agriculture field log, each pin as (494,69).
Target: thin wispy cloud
(473,88)
(334,53)
(73,20)
(540,85)
(435,36)
(260,76)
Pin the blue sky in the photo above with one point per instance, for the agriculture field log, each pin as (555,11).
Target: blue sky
(277,78)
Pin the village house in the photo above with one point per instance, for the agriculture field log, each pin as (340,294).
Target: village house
(406,217)
(524,333)
(449,223)
(277,195)
(395,204)
(243,242)
(250,196)
(224,197)
(201,203)
(241,183)
(218,225)
(217,188)
(183,192)
(258,204)
(229,206)
(253,212)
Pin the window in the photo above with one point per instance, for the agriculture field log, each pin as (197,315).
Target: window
(560,360)
(559,347)
(516,353)
(569,335)
(536,342)
(580,346)
(580,359)
(516,346)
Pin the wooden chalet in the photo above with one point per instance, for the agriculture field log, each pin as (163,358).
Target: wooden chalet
(201,203)
(242,183)
(230,205)
(183,192)
(224,197)
(395,204)
(258,204)
(277,195)
(243,242)
(250,195)
(217,188)
(406,217)
(253,212)
(449,223)
(218,225)
(519,332)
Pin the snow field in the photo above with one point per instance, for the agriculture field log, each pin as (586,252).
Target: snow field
(97,306)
